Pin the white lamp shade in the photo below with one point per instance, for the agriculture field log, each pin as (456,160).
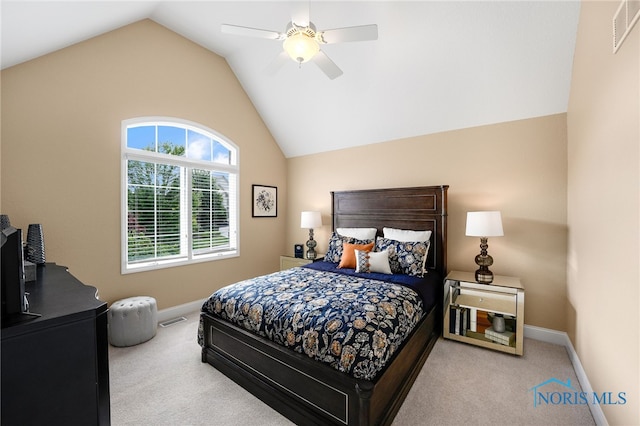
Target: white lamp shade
(310,220)
(484,224)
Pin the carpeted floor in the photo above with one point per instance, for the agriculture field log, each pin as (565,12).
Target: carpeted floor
(163,382)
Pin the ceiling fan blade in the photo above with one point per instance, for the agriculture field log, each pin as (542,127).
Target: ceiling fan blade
(251,32)
(277,63)
(327,65)
(343,35)
(300,13)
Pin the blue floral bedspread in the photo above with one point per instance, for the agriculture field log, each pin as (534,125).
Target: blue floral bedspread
(353,324)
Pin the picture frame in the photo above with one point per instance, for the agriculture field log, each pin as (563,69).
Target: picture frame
(264,201)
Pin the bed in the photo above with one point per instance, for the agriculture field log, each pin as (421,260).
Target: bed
(304,375)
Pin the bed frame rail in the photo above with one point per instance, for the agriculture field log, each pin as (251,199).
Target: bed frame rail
(288,381)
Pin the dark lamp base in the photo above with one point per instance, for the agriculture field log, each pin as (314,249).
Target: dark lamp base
(484,260)
(484,276)
(311,246)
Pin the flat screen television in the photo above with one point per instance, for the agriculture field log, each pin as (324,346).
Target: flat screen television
(14,305)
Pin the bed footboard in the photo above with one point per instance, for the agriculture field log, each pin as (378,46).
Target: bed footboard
(308,392)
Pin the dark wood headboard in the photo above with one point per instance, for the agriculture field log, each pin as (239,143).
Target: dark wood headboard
(419,208)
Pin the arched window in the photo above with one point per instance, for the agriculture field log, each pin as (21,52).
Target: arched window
(179,194)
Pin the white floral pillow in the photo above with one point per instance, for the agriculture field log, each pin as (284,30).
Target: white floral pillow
(406,235)
(359,233)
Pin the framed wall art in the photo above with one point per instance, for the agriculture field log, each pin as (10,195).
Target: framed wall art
(264,201)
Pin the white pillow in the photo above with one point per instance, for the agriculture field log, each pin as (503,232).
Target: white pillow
(372,261)
(406,236)
(359,233)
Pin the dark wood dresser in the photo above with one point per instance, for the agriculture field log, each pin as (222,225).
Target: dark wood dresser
(55,368)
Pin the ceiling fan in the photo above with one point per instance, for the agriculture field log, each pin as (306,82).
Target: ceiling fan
(301,41)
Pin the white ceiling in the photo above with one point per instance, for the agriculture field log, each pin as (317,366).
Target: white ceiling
(436,66)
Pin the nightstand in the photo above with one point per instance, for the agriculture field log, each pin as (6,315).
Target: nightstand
(287,262)
(470,307)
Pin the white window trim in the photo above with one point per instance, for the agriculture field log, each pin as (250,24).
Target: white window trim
(134,154)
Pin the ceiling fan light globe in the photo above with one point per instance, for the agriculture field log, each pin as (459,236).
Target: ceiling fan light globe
(301,47)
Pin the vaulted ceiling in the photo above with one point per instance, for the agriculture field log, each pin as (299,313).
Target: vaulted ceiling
(436,66)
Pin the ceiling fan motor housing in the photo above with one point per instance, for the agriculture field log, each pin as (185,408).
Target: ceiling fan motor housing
(309,30)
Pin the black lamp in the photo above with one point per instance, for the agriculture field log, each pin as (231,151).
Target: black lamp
(310,220)
(483,225)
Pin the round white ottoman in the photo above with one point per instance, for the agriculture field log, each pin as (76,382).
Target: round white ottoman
(132,321)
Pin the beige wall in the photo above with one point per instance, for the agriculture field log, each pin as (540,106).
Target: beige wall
(61,117)
(603,209)
(518,168)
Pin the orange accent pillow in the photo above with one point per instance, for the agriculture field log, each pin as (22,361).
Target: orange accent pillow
(348,259)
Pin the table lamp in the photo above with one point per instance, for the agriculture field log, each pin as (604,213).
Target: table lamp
(310,220)
(484,225)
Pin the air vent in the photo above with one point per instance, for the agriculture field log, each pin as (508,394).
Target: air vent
(173,321)
(623,21)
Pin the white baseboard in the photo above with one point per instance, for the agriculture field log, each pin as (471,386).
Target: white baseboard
(180,310)
(561,338)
